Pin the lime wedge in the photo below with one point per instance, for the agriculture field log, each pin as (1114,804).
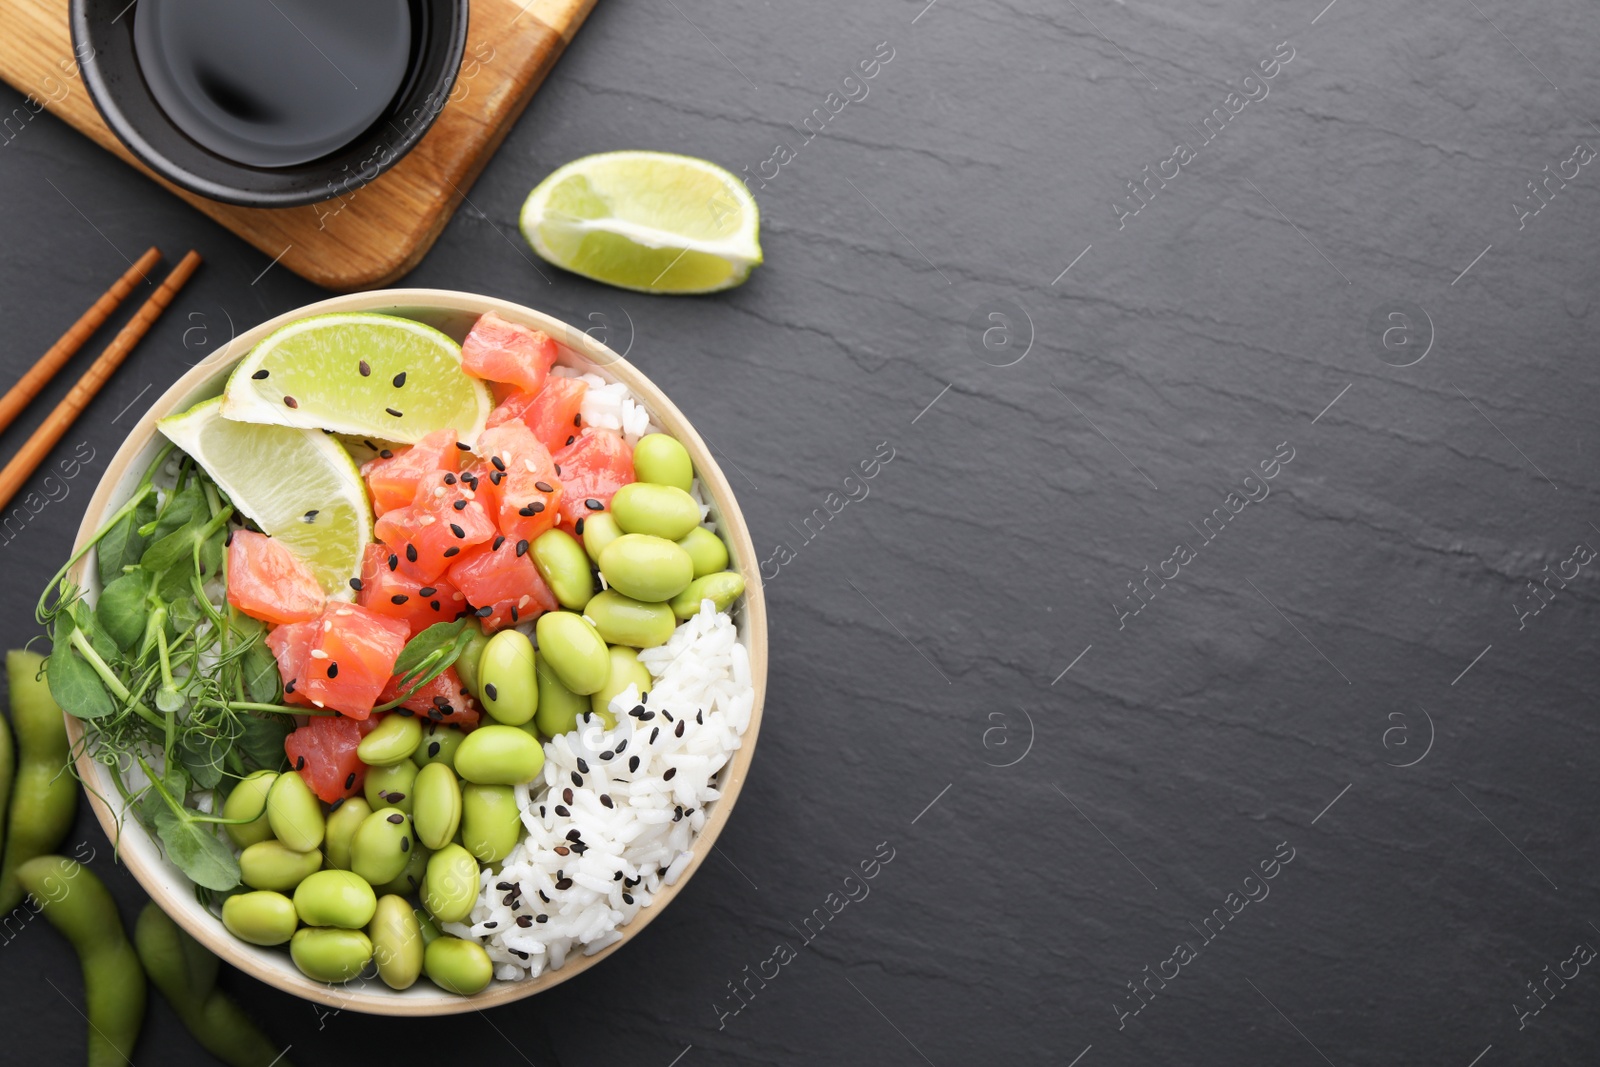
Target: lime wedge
(300,486)
(649,221)
(376,376)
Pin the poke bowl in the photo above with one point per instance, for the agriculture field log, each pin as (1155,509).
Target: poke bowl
(547,800)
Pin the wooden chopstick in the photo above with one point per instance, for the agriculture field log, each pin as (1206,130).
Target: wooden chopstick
(33,451)
(28,386)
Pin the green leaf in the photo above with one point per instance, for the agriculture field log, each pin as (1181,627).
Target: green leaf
(123,610)
(73,683)
(175,547)
(196,851)
(439,637)
(101,641)
(261,679)
(181,508)
(202,757)
(261,741)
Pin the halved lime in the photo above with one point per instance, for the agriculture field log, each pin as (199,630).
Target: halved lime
(649,221)
(300,486)
(360,373)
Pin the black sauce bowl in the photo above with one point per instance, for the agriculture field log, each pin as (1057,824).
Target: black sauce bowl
(103,34)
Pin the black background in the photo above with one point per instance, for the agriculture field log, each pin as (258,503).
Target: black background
(919,642)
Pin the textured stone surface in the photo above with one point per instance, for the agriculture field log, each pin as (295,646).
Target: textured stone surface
(920,640)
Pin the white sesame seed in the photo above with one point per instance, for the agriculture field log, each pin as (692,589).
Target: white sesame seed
(426,520)
(317,653)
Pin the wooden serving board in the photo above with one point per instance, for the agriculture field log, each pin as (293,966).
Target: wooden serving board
(370,236)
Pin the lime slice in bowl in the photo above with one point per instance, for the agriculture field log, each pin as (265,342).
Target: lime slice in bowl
(378,376)
(649,221)
(300,486)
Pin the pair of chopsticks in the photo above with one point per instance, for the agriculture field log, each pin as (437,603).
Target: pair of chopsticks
(34,450)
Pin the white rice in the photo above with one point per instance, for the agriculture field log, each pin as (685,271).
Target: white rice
(688,727)
(611,405)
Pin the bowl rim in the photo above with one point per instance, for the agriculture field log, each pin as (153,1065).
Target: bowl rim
(175,895)
(287,186)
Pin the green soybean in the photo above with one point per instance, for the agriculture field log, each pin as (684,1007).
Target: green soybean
(570,646)
(397,944)
(450,887)
(491,822)
(599,530)
(564,567)
(659,510)
(342,824)
(438,745)
(380,848)
(249,801)
(626,670)
(645,567)
(44,794)
(395,739)
(467,662)
(77,903)
(409,880)
(499,755)
(437,812)
(722,589)
(706,549)
(261,918)
(505,671)
(390,787)
(273,865)
(430,932)
(295,813)
(458,966)
(329,954)
(662,460)
(335,898)
(559,707)
(622,620)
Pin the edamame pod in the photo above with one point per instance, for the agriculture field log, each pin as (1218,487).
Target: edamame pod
(44,794)
(706,549)
(450,887)
(564,567)
(261,918)
(394,739)
(249,798)
(295,813)
(491,823)
(499,755)
(645,567)
(379,850)
(458,966)
(659,510)
(438,745)
(437,812)
(599,530)
(467,662)
(559,707)
(722,589)
(342,824)
(335,898)
(77,903)
(273,865)
(391,786)
(570,646)
(505,672)
(329,954)
(626,670)
(622,620)
(662,459)
(397,943)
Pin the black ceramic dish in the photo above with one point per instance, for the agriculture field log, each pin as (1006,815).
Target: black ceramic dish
(326,162)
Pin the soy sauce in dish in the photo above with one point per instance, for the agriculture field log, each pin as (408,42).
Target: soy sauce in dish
(273,83)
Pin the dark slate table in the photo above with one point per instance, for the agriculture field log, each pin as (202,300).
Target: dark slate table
(1072,658)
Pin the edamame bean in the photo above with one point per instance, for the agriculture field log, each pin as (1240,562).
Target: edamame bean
(342,824)
(380,848)
(450,887)
(505,672)
(499,755)
(335,898)
(458,966)
(397,944)
(395,739)
(626,670)
(722,589)
(564,567)
(295,813)
(491,823)
(706,549)
(438,745)
(113,980)
(391,786)
(437,812)
(645,567)
(249,800)
(569,645)
(261,918)
(430,932)
(662,459)
(329,954)
(408,881)
(467,662)
(659,510)
(44,794)
(273,865)
(559,707)
(622,620)
(599,530)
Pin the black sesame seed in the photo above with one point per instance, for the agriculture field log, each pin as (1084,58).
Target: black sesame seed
(536,507)
(562,850)
(434,714)
(300,764)
(442,704)
(396,414)
(411,554)
(405,843)
(397,818)
(394,560)
(451,551)
(370,443)
(333,669)
(404,713)
(490,925)
(544,487)
(526,513)
(700,717)
(539,919)
(449,479)
(607,754)
(565,883)
(513,613)
(490,691)
(577,779)
(457,530)
(519,953)
(289,688)
(385,453)
(365,368)
(464,447)
(433,749)
(679,731)
(655,732)
(504,886)
(627,898)
(621,745)
(498,541)
(399,598)
(558,470)
(577,420)
(426,591)
(291,401)
(562,811)
(542,896)
(605,798)
(524,921)
(485,611)
(579,527)
(336,805)
(570,439)
(566,794)
(400,379)
(259,375)
(522,548)
(499,464)
(460,505)
(350,779)
(495,476)
(594,505)
(583,765)
(355,583)
(671,773)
